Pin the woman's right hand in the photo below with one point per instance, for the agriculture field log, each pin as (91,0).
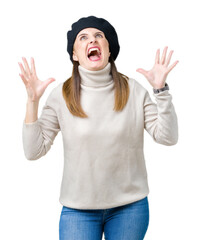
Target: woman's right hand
(35,87)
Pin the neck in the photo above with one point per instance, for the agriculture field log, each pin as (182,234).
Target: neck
(98,78)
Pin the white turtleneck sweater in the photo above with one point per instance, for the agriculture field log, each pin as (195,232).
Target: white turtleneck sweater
(104,163)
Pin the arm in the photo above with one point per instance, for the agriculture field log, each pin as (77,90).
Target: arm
(160,120)
(31,111)
(39,135)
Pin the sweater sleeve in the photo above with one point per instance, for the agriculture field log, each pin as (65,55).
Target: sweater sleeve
(38,136)
(160,120)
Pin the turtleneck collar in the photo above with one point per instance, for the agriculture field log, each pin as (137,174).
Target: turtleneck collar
(98,78)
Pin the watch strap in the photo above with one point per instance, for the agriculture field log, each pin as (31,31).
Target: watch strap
(166,87)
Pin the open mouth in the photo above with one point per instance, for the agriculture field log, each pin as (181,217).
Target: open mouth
(94,54)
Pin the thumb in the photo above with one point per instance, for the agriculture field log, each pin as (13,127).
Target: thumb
(48,81)
(142,71)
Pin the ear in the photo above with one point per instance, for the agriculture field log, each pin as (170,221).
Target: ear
(75,58)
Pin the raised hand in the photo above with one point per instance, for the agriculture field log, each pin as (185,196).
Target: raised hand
(158,74)
(35,87)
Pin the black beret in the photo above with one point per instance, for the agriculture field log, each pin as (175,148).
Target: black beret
(94,22)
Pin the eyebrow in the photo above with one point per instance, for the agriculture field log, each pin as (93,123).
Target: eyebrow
(82,34)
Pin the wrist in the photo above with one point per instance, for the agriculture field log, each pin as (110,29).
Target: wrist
(158,90)
(159,86)
(32,102)
(31,111)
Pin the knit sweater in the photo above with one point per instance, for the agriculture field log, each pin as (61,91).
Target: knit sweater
(104,164)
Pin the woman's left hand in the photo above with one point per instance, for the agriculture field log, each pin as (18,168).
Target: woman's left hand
(158,74)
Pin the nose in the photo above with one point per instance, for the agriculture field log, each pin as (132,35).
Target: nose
(92,40)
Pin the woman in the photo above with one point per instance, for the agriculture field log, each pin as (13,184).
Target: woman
(102,115)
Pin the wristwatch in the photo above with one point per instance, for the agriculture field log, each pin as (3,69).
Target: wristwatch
(161,89)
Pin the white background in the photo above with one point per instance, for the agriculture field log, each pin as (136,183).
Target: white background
(29,207)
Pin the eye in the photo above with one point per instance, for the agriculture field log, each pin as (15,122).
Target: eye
(99,35)
(83,37)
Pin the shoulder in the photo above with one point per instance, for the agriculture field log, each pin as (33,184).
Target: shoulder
(136,88)
(55,94)
(56,90)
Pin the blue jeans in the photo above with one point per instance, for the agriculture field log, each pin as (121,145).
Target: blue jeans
(127,222)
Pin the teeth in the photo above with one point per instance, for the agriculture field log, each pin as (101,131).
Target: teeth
(93,49)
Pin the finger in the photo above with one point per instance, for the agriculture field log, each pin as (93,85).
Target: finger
(157,56)
(172,66)
(24,79)
(48,81)
(21,67)
(164,55)
(26,66)
(33,69)
(142,71)
(169,58)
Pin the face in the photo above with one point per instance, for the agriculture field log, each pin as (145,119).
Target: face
(91,49)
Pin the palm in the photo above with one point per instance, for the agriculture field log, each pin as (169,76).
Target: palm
(158,74)
(35,88)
